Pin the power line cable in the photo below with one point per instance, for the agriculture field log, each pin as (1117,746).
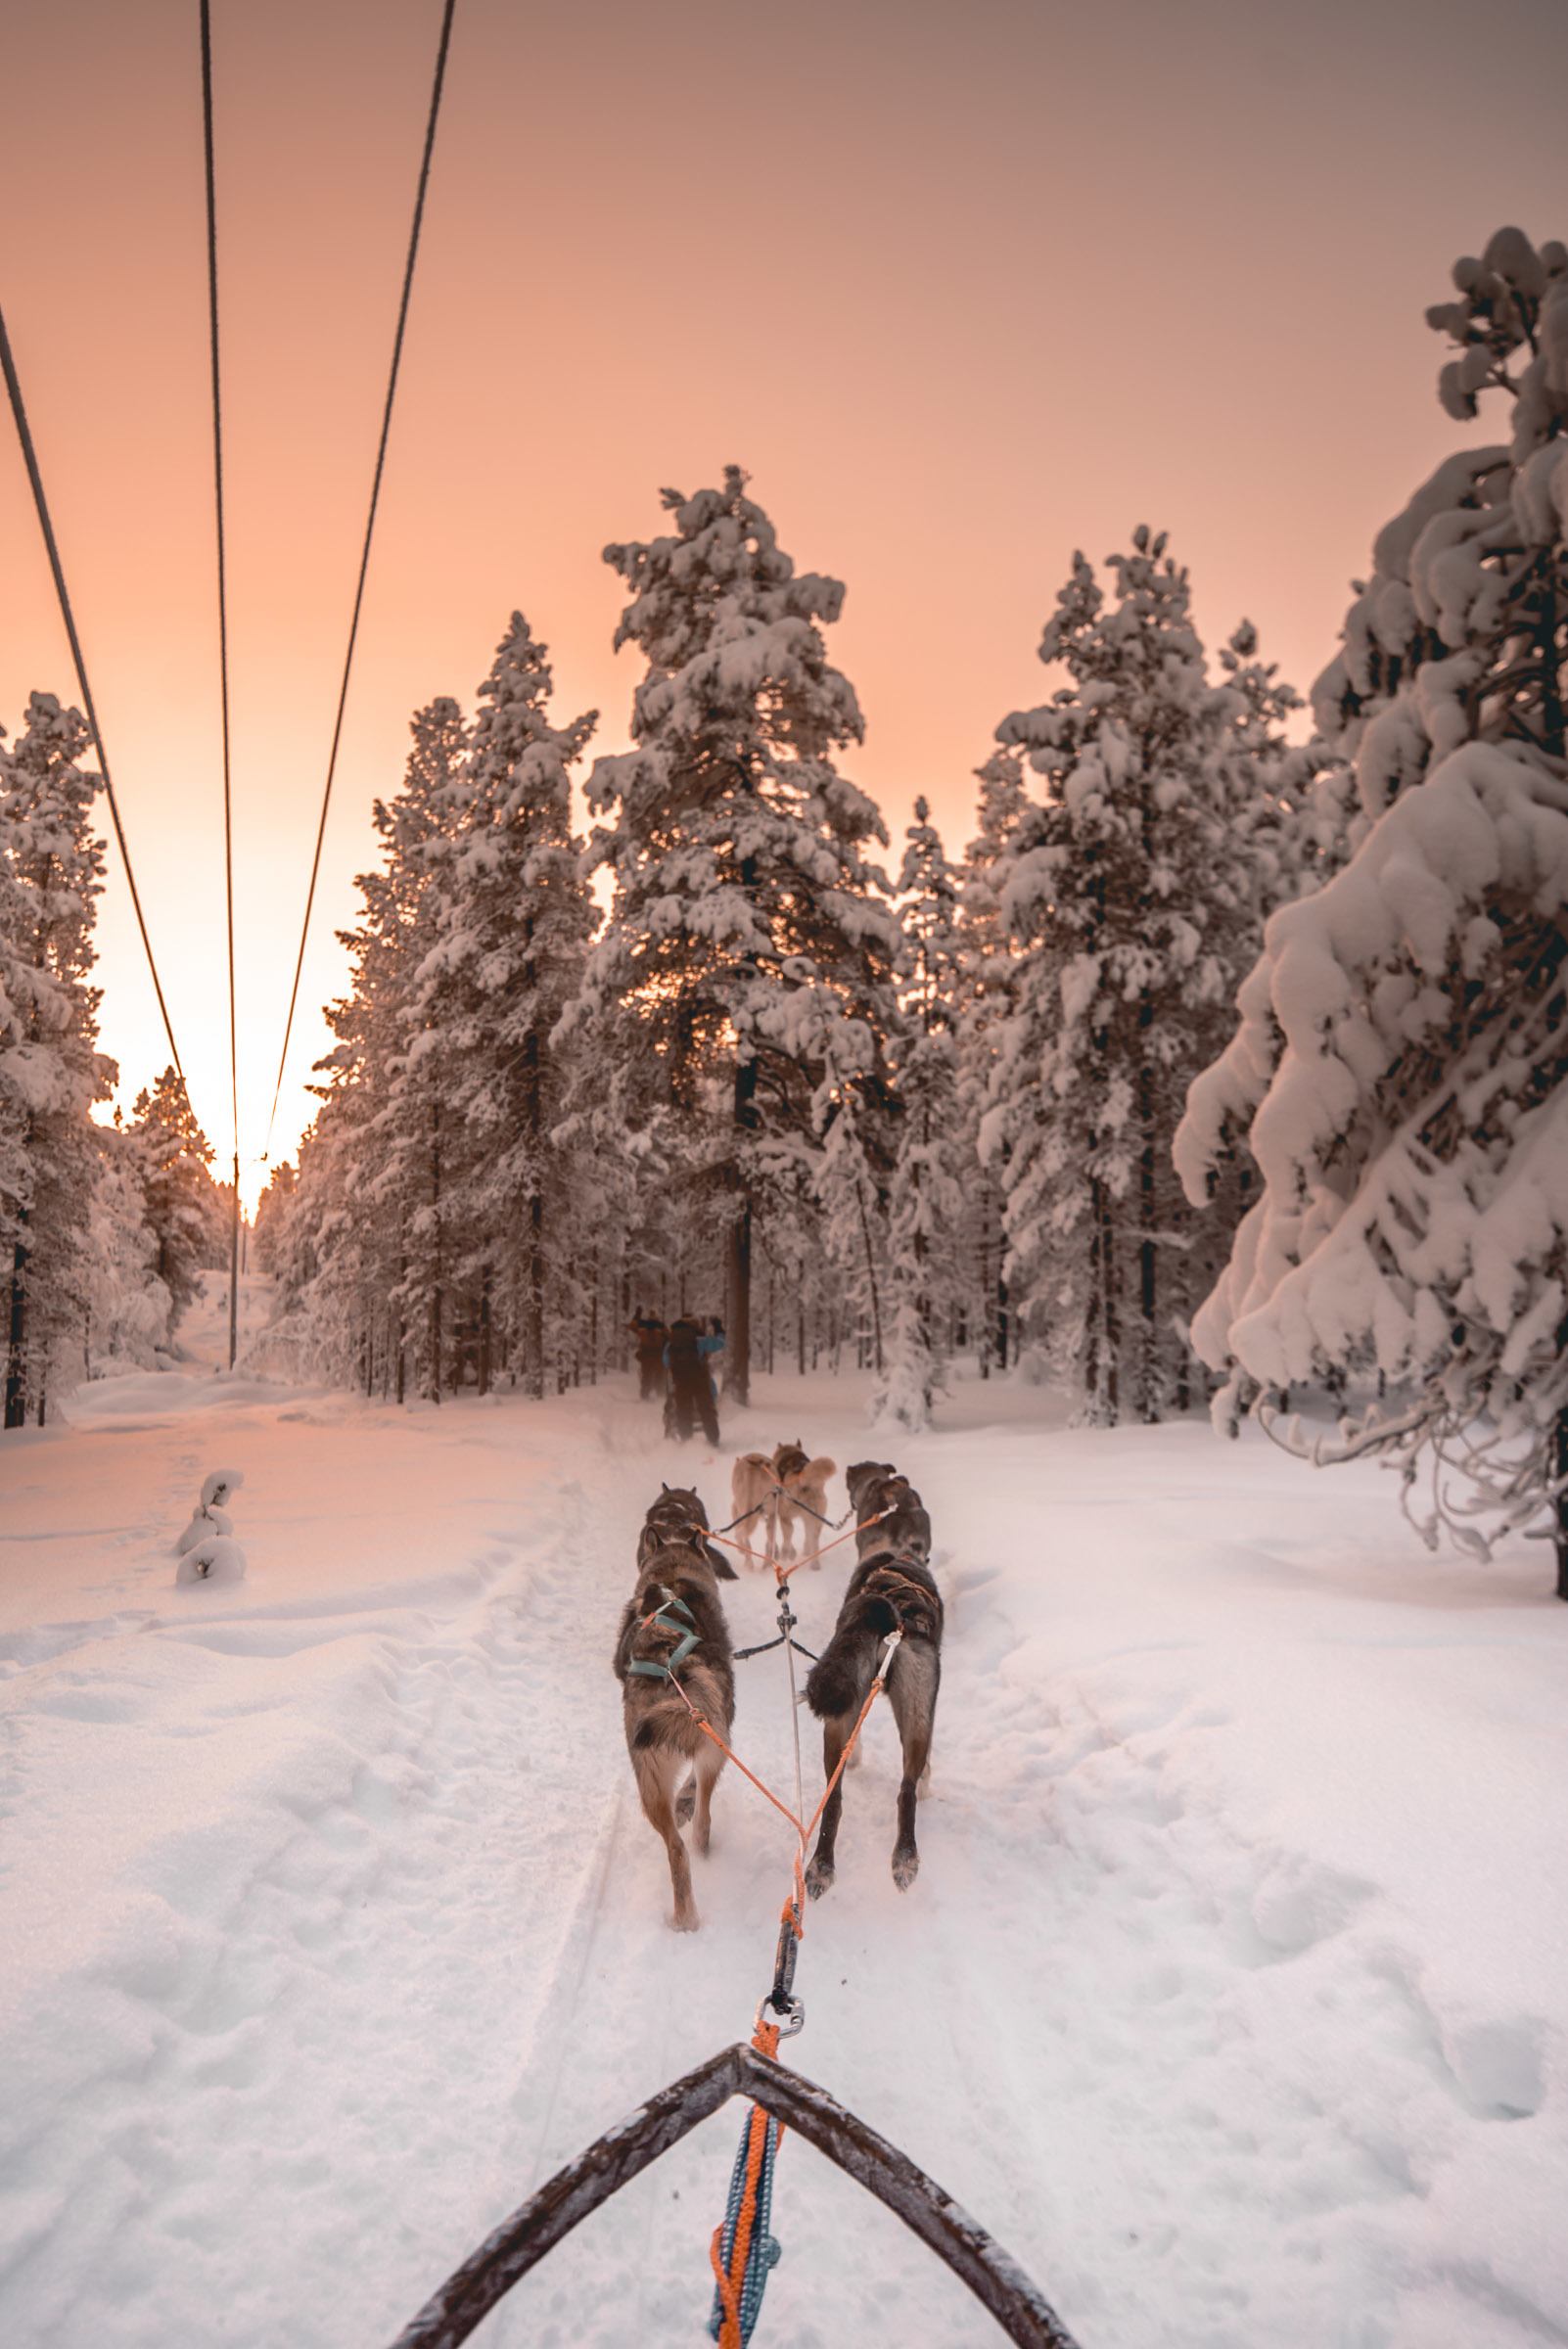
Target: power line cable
(370,525)
(30,457)
(223,650)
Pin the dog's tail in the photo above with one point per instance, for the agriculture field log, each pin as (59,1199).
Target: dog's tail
(839,1681)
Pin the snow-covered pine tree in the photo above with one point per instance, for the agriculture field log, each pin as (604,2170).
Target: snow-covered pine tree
(987,975)
(180,1201)
(743,981)
(269,1236)
(924,1212)
(1129,888)
(50,869)
(128,1307)
(510,917)
(1402,1063)
(366,1266)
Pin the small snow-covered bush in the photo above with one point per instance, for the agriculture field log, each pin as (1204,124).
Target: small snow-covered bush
(206,1549)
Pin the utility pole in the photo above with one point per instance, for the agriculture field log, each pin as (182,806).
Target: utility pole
(234,1263)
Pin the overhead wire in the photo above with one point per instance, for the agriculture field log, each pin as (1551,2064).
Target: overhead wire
(29,455)
(364,558)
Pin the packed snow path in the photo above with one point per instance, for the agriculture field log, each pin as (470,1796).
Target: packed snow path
(1231,1996)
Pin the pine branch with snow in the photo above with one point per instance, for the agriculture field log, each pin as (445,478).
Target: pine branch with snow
(1401,1062)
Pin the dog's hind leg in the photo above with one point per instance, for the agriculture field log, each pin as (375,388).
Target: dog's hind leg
(835,1738)
(705,1778)
(656,1781)
(912,1694)
(685,1802)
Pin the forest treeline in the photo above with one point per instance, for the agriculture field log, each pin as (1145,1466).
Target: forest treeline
(726,1054)
(104,1229)
(1224,1057)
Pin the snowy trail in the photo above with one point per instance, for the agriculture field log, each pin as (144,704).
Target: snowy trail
(1230,1995)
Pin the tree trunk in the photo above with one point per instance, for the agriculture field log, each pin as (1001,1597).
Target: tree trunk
(1105,1390)
(436,1283)
(1560,1515)
(16,1359)
(484,1333)
(534,1121)
(738,1268)
(738,1322)
(1148,1400)
(535,1380)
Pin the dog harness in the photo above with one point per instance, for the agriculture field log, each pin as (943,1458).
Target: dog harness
(685,1640)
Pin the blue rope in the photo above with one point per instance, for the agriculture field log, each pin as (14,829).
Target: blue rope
(766,2250)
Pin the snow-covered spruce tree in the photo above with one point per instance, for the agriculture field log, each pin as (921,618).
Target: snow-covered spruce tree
(50,1074)
(130,1310)
(925,1203)
(986,973)
(743,981)
(180,1201)
(510,915)
(1403,1051)
(268,1233)
(364,1272)
(1129,892)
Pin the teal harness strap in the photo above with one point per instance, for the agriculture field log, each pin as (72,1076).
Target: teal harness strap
(685,1643)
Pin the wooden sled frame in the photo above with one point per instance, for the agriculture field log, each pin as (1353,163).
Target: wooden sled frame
(613,2160)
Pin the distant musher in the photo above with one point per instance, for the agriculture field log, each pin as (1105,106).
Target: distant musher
(691,1389)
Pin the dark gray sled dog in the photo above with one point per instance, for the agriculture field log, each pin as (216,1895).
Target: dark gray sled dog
(674,1621)
(891,1588)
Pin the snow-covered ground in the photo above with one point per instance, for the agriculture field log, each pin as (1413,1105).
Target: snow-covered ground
(1232,1995)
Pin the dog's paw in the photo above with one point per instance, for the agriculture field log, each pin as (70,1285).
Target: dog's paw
(818,1879)
(687,1922)
(905,1869)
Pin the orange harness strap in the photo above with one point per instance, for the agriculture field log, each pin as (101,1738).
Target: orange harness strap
(781,1574)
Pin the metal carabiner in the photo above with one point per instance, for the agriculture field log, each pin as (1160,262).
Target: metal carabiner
(791,2012)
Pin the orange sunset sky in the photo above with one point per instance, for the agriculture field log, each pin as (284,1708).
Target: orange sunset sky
(962,285)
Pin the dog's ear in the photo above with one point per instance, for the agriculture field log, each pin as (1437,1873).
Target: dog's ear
(662,1486)
(721,1564)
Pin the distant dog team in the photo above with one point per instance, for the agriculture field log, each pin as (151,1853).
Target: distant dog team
(675,1638)
(774,1493)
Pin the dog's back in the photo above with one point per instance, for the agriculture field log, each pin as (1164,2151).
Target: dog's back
(678,1572)
(675,1594)
(803,1484)
(892,1590)
(891,1516)
(673,1659)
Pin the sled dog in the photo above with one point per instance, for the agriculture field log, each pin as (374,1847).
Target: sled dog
(767,1491)
(891,1588)
(674,1621)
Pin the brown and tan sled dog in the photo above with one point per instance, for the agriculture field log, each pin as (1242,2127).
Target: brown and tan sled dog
(675,1623)
(767,1491)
